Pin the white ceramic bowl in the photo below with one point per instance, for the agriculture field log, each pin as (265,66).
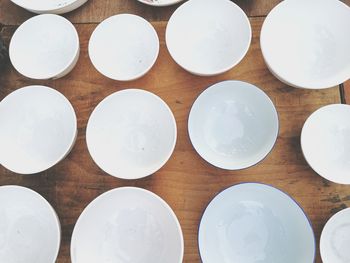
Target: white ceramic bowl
(208,37)
(45,47)
(49,6)
(255,223)
(306,43)
(30,230)
(160,2)
(325,141)
(233,125)
(127,224)
(38,128)
(335,238)
(124,47)
(131,134)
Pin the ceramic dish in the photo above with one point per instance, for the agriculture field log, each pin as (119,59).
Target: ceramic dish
(305,44)
(255,223)
(38,128)
(233,125)
(160,2)
(49,6)
(208,37)
(131,134)
(124,47)
(29,227)
(127,225)
(325,141)
(45,47)
(335,238)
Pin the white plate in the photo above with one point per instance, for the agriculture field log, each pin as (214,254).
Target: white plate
(49,6)
(38,128)
(233,125)
(306,43)
(255,223)
(45,52)
(208,37)
(160,2)
(325,141)
(131,134)
(124,47)
(30,230)
(335,238)
(127,225)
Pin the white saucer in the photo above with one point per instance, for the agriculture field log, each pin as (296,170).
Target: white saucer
(131,134)
(255,223)
(325,141)
(208,37)
(38,128)
(160,2)
(305,44)
(49,6)
(45,47)
(127,225)
(124,47)
(29,227)
(335,238)
(233,125)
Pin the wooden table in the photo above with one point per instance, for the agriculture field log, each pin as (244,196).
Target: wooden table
(186,182)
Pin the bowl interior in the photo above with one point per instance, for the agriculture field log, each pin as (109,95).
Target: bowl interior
(160,2)
(44,5)
(255,223)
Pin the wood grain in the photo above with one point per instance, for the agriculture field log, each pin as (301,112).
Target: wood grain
(186,182)
(346,90)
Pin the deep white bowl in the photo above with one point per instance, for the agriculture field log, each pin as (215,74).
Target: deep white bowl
(160,2)
(233,125)
(29,227)
(127,225)
(306,43)
(207,37)
(325,141)
(131,134)
(124,47)
(49,6)
(38,128)
(45,47)
(255,223)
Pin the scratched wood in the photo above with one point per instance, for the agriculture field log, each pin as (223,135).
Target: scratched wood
(186,182)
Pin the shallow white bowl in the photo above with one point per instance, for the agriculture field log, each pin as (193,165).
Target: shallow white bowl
(49,6)
(208,37)
(131,134)
(29,227)
(38,128)
(255,223)
(160,2)
(124,47)
(335,238)
(306,43)
(325,141)
(233,125)
(45,47)
(127,224)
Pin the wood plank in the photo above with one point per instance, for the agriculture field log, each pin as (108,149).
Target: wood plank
(186,182)
(346,87)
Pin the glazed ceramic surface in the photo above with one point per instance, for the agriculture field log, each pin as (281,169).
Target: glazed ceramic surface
(38,128)
(49,6)
(29,227)
(250,223)
(306,43)
(233,125)
(127,225)
(131,134)
(208,37)
(160,2)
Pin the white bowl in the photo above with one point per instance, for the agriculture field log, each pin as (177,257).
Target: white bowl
(335,238)
(255,223)
(127,224)
(131,134)
(208,37)
(30,230)
(45,47)
(49,6)
(160,2)
(124,47)
(38,129)
(306,43)
(325,141)
(233,125)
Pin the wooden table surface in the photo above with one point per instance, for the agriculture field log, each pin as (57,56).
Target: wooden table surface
(186,182)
